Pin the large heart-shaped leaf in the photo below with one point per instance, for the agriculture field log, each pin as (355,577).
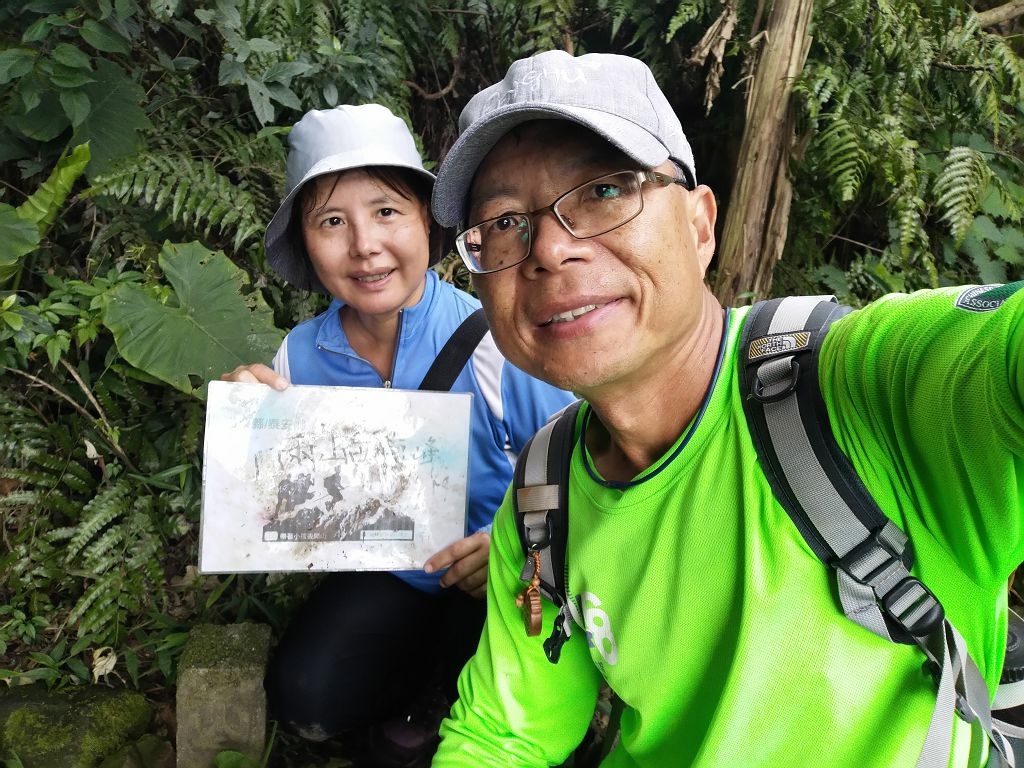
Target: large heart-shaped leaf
(212,329)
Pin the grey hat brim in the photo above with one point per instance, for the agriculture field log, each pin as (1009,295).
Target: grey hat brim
(460,165)
(292,266)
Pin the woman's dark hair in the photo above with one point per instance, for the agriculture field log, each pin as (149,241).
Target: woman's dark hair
(410,185)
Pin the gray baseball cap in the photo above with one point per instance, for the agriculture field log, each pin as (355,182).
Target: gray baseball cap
(327,141)
(614,96)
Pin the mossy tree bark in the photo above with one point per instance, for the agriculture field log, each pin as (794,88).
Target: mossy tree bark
(758,217)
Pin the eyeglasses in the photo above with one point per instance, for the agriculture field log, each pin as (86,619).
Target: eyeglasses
(591,209)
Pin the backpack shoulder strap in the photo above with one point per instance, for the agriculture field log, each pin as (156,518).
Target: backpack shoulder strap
(455,353)
(813,479)
(821,492)
(541,503)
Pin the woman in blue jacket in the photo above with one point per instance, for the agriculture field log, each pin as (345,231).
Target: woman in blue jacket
(367,648)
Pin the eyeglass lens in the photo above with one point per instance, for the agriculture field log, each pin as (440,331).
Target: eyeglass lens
(588,210)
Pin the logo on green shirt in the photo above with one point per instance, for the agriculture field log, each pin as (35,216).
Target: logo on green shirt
(986,298)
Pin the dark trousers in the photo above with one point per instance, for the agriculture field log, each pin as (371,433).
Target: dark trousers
(364,646)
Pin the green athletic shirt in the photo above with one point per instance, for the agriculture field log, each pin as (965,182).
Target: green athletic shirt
(711,617)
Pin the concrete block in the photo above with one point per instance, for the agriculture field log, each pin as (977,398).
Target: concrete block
(71,729)
(221,703)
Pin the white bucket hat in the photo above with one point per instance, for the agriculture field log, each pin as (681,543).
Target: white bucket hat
(614,96)
(327,141)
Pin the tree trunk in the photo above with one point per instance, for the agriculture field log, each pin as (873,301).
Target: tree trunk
(758,217)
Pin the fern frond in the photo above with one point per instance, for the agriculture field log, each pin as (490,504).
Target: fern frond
(958,188)
(190,191)
(843,159)
(686,11)
(98,556)
(107,506)
(94,612)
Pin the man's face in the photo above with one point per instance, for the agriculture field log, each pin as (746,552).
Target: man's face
(591,314)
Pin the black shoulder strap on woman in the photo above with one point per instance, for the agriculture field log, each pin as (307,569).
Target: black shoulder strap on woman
(455,353)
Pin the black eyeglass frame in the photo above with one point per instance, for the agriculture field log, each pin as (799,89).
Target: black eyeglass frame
(642,176)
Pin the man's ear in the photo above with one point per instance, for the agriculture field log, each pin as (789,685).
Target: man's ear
(705,213)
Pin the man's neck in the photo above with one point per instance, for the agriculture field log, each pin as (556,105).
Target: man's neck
(636,422)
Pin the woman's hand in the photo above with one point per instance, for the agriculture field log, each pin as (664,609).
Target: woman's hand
(466,561)
(256,373)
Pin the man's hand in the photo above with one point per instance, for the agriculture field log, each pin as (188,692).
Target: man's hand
(466,561)
(256,373)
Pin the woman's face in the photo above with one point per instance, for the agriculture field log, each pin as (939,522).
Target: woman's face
(368,244)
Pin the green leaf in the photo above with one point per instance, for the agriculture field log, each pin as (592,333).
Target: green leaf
(985,228)
(15,62)
(66,77)
(40,29)
(260,45)
(284,95)
(103,38)
(31,90)
(17,238)
(44,123)
(284,71)
(125,8)
(76,106)
(992,202)
(55,347)
(1008,254)
(80,670)
(112,127)
(42,207)
(231,72)
(13,320)
(260,98)
(212,330)
(1013,237)
(72,57)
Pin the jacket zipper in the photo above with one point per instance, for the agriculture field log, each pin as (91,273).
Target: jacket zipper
(385,382)
(394,358)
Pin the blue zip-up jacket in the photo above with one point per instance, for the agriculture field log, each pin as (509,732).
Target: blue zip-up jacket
(508,405)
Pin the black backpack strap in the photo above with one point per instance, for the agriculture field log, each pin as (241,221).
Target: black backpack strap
(821,492)
(541,503)
(455,353)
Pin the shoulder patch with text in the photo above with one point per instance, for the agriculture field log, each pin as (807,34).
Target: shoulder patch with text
(986,298)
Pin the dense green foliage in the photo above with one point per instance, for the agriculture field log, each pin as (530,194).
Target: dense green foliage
(143,140)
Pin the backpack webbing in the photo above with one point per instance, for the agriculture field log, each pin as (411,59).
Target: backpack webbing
(816,484)
(820,491)
(455,353)
(541,504)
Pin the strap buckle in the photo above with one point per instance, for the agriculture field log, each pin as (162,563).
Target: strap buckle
(862,564)
(876,563)
(538,537)
(913,607)
(536,524)
(781,385)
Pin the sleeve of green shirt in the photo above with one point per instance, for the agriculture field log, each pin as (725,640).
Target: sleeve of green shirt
(516,708)
(926,395)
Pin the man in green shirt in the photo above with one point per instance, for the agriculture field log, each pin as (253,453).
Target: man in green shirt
(704,608)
